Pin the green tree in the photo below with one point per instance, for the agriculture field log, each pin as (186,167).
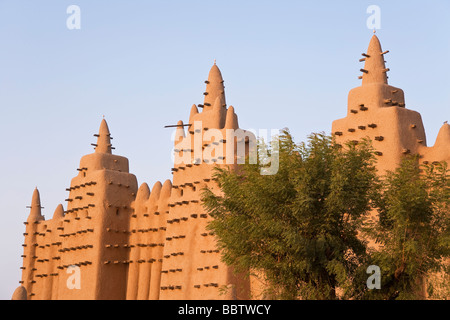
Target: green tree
(299,227)
(412,231)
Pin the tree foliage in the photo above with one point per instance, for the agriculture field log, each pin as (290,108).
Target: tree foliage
(314,227)
(299,227)
(412,230)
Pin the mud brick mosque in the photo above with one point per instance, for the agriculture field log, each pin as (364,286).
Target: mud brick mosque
(131,242)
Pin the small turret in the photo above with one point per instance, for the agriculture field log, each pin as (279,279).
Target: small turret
(143,192)
(443,137)
(35,208)
(155,193)
(231,119)
(20,293)
(179,133)
(103,139)
(374,68)
(59,212)
(166,189)
(194,111)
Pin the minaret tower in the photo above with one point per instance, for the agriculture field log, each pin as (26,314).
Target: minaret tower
(96,225)
(41,252)
(192,267)
(31,242)
(377,110)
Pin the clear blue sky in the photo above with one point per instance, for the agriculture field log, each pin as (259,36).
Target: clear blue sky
(142,64)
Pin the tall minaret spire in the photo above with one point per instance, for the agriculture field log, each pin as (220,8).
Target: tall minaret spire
(214,87)
(103,139)
(374,68)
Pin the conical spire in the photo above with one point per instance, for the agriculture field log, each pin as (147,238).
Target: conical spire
(35,208)
(219,103)
(374,68)
(103,139)
(443,137)
(194,111)
(231,120)
(142,196)
(59,212)
(166,189)
(214,87)
(154,196)
(179,133)
(143,192)
(20,293)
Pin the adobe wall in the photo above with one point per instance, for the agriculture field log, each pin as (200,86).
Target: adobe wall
(144,243)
